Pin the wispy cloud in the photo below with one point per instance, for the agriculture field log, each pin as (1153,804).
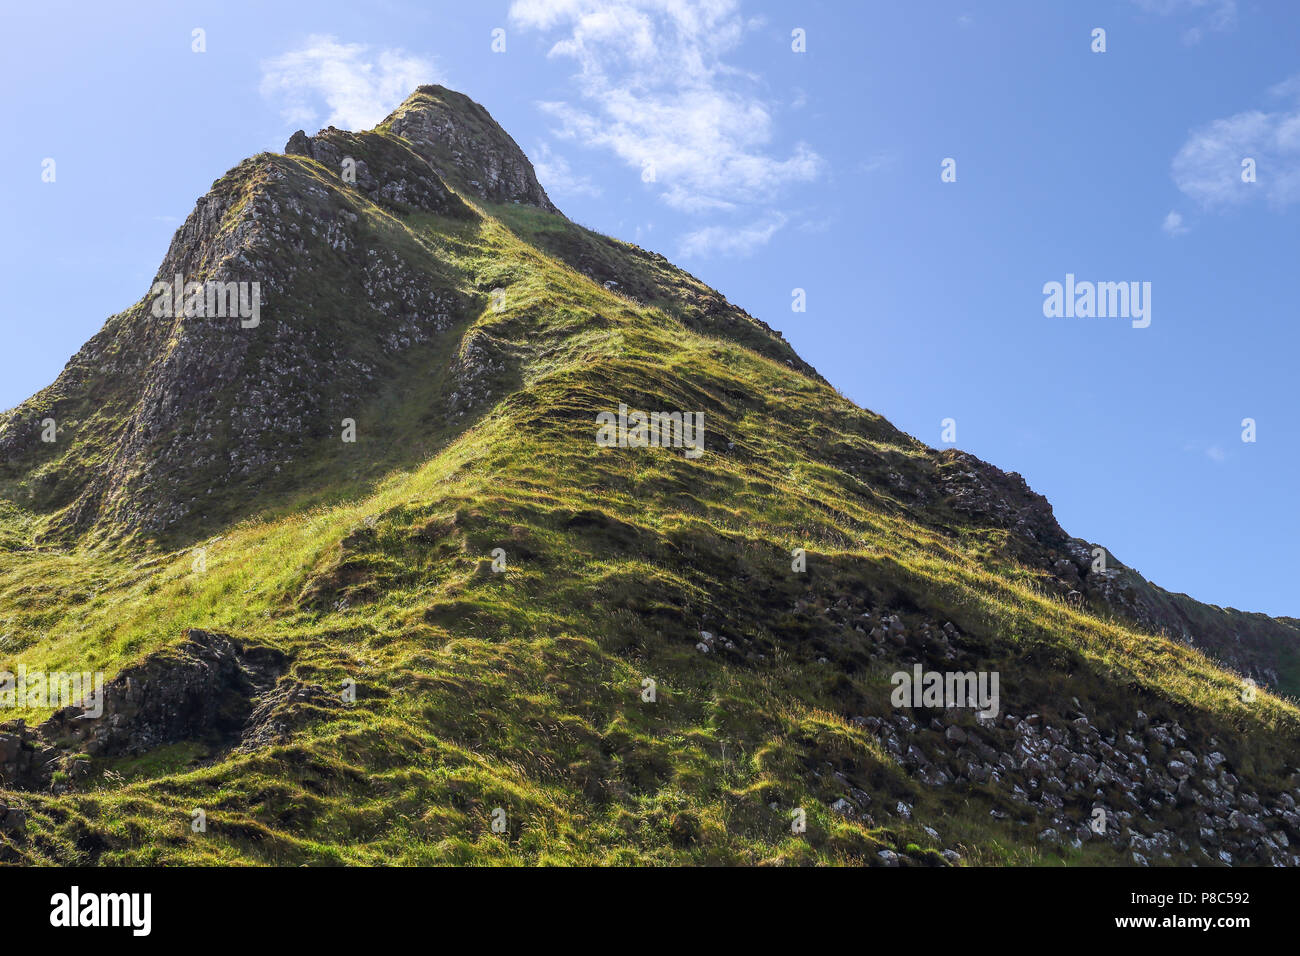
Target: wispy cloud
(558,177)
(1209,15)
(1208,167)
(731,240)
(1173,224)
(350,84)
(1211,450)
(654,87)
(876,162)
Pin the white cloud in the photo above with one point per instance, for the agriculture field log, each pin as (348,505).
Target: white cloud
(731,240)
(1214,452)
(1213,15)
(1222,13)
(352,85)
(686,200)
(1173,224)
(557,176)
(877,162)
(655,89)
(1208,167)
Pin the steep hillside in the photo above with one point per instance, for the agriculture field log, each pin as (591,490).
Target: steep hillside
(476,634)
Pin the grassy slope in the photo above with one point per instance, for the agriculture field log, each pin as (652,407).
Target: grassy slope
(523,690)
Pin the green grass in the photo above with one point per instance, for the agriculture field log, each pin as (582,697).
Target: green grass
(523,691)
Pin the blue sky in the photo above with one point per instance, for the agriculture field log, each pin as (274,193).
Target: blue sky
(775,170)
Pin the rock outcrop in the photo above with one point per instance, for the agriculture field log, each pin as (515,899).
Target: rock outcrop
(464,143)
(206,689)
(1089,575)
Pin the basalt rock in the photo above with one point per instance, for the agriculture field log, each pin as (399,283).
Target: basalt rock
(463,142)
(204,689)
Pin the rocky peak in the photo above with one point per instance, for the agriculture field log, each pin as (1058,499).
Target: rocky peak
(462,141)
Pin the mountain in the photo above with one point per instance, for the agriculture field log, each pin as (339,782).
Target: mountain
(347,519)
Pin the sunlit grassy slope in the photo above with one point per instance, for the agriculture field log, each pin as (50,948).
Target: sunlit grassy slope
(524,690)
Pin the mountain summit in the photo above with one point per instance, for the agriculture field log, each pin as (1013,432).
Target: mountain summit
(406,520)
(458,139)
(176,422)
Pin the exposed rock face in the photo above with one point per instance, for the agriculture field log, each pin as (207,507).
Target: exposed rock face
(386,169)
(462,141)
(996,497)
(177,408)
(284,709)
(479,361)
(204,689)
(13,830)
